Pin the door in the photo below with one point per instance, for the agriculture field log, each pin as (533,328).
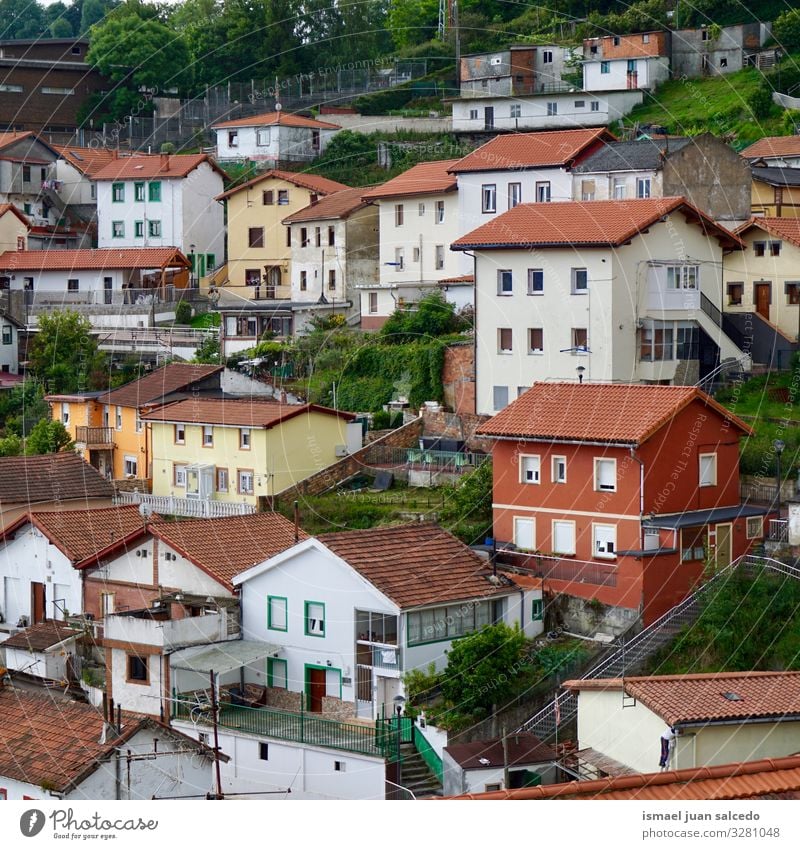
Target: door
(763,297)
(724,551)
(37,602)
(488,117)
(108,285)
(315,688)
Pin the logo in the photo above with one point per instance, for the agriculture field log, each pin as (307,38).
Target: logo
(31,822)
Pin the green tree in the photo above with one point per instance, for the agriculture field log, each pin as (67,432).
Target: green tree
(60,28)
(22,407)
(786,30)
(22,19)
(10,446)
(64,355)
(486,668)
(433,316)
(208,350)
(48,436)
(57,22)
(92,12)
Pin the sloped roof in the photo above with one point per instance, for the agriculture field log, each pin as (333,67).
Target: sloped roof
(415,565)
(154,386)
(773,146)
(531,150)
(626,413)
(162,165)
(9,207)
(520,749)
(225,547)
(786,228)
(594,223)
(7,139)
(337,205)
(94,259)
(283,119)
(775,175)
(88,160)
(312,182)
(255,412)
(35,479)
(41,637)
(680,699)
(638,155)
(426,178)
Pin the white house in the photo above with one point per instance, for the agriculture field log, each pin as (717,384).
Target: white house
(519,70)
(9,343)
(627,62)
(163,200)
(25,161)
(273,137)
(598,290)
(352,611)
(41,651)
(417,221)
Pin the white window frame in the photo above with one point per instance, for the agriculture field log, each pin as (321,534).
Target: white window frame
(179,475)
(208,436)
(574,288)
(440,212)
(505,282)
(515,111)
(532,272)
(130,465)
(241,475)
(564,523)
(180,434)
(439,257)
(619,189)
(531,349)
(489,198)
(598,463)
(514,191)
(683,277)
(543,192)
(604,536)
(710,478)
(758,521)
(500,348)
(221,475)
(530,472)
(530,521)
(643,187)
(64,411)
(399,259)
(244,438)
(555,460)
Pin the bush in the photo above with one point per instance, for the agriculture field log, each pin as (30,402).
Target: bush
(397,421)
(380,420)
(183,313)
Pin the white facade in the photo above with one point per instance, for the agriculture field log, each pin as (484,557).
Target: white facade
(20,185)
(616,185)
(272,143)
(458,780)
(76,188)
(643,72)
(78,285)
(9,345)
(51,664)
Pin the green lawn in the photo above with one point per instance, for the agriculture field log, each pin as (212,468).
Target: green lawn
(205,320)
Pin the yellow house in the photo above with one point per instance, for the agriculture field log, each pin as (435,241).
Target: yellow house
(107,427)
(13,229)
(242,450)
(775,192)
(259,251)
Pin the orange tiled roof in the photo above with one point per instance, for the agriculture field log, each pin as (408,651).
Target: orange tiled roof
(531,150)
(254,412)
(154,386)
(162,165)
(41,637)
(763,778)
(312,182)
(414,565)
(9,138)
(93,259)
(337,205)
(269,119)
(773,146)
(681,699)
(628,413)
(88,160)
(9,207)
(583,223)
(35,479)
(786,228)
(427,178)
(225,547)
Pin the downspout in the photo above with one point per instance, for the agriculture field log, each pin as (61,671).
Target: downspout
(641,516)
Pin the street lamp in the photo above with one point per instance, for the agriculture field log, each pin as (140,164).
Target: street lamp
(399,701)
(580,370)
(778,445)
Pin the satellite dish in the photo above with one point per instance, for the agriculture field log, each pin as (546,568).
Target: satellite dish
(278,107)
(145,511)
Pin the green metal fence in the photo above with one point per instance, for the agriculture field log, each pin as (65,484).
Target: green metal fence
(433,761)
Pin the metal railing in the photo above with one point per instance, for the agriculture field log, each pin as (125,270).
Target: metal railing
(132,298)
(94,435)
(561,568)
(778,530)
(378,740)
(713,312)
(381,652)
(758,493)
(169,505)
(419,458)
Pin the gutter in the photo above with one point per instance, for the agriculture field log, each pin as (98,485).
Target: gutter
(555,440)
(759,720)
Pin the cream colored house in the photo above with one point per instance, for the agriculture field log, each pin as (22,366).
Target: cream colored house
(716,718)
(13,228)
(259,253)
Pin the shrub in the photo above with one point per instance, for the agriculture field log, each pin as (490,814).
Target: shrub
(380,420)
(183,313)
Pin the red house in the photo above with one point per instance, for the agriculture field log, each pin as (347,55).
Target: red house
(619,492)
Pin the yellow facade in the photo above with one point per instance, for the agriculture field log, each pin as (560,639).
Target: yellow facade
(775,201)
(277,458)
(13,232)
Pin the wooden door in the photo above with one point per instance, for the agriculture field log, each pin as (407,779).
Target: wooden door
(315,689)
(724,552)
(763,297)
(37,603)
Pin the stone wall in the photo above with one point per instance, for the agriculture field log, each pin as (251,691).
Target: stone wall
(458,378)
(334,708)
(281,699)
(455,426)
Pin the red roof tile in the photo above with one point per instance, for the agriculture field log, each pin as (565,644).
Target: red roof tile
(36,479)
(270,119)
(583,223)
(626,413)
(93,259)
(41,637)
(773,146)
(88,160)
(415,565)
(236,412)
(165,166)
(531,150)
(151,388)
(679,699)
(520,749)
(225,547)
(9,207)
(338,205)
(427,178)
(312,182)
(9,138)
(786,228)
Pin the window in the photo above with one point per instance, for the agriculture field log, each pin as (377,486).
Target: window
(643,187)
(547,57)
(580,104)
(693,543)
(277,613)
(580,340)
(208,436)
(792,293)
(262,137)
(131,467)
(529,468)
(515,110)
(255,237)
(587,189)
(605,541)
(139,424)
(440,212)
(580,281)
(535,281)
(399,259)
(180,434)
(27,209)
(439,257)
(314,619)
(233,138)
(514,194)
(755,527)
(331,278)
(288,237)
(211,261)
(222,480)
(537,610)
(244,438)
(525,533)
(398,215)
(263,750)
(688,347)
(117,229)
(331,236)
(8,339)
(505,282)
(535,340)
(618,190)
(559,469)
(373,302)
(118,192)
(473,114)
(595,106)
(137,669)
(708,469)
(552,108)
(138,229)
(774,248)
(340,766)
(616,41)
(723,62)
(317,237)
(736,293)
(646,38)
(564,537)
(119,418)
(267,197)
(543,193)
(759,248)
(73,285)
(283,197)
(489,198)
(138,192)
(11,88)
(605,474)
(277,673)
(504,340)
(245,478)
(304,240)
(303,281)
(153,228)
(154,192)
(107,603)
(631,66)
(420,209)
(415,254)
(605,68)
(179,474)
(448,622)
(499,397)
(252,277)
(682,276)
(704,34)
(656,344)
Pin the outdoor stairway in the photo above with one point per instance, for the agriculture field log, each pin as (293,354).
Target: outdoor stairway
(416,776)
(630,655)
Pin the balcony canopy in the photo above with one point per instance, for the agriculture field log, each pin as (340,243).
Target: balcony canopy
(222,657)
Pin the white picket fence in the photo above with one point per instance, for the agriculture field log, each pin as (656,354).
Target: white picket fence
(168,505)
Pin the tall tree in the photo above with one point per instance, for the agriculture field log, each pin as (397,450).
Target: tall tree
(21,19)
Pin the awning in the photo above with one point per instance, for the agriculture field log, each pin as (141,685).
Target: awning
(222,657)
(695,518)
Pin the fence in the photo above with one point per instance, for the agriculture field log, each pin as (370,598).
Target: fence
(428,754)
(169,505)
(439,461)
(559,568)
(778,530)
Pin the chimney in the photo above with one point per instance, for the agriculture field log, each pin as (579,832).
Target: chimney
(165,162)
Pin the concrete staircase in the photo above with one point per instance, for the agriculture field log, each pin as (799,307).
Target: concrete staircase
(416,776)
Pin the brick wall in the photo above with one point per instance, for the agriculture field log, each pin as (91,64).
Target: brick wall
(458,378)
(454,426)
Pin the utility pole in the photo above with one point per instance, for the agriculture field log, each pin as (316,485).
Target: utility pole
(214,709)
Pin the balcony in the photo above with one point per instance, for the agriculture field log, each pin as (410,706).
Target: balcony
(379,655)
(561,568)
(95,438)
(199,509)
(153,627)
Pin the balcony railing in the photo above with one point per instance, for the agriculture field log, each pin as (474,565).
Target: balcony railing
(757,493)
(418,458)
(378,739)
(384,656)
(778,530)
(94,436)
(169,505)
(561,568)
